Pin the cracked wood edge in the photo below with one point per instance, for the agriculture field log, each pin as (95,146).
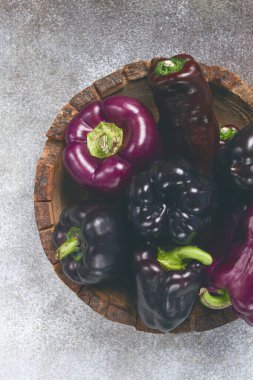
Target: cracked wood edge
(230,81)
(136,70)
(112,306)
(45,171)
(59,125)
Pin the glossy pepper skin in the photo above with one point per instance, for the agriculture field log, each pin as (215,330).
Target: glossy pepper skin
(165,297)
(230,278)
(171,202)
(234,165)
(226,228)
(187,122)
(108,141)
(91,241)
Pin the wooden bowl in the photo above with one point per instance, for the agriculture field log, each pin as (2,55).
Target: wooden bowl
(54,189)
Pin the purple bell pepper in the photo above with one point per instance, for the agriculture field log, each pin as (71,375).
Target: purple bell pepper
(108,141)
(230,277)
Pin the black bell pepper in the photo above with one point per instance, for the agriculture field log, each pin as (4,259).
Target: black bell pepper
(234,164)
(187,122)
(168,283)
(171,202)
(91,241)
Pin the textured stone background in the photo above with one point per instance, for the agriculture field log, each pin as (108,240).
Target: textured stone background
(49,51)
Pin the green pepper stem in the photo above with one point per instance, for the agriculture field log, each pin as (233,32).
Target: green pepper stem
(177,258)
(67,248)
(221,300)
(104,140)
(169,66)
(227,133)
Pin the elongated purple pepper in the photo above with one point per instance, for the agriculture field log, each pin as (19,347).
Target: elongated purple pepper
(108,141)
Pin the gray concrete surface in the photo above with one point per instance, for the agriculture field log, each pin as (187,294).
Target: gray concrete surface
(49,50)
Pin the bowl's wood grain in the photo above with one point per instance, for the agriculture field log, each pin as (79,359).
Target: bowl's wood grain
(54,190)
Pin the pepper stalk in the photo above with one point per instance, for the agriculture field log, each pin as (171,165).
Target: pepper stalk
(169,66)
(74,246)
(178,258)
(104,140)
(220,300)
(227,133)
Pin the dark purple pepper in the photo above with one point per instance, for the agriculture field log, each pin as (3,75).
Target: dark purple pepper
(108,141)
(92,242)
(230,278)
(171,202)
(187,122)
(168,283)
(234,166)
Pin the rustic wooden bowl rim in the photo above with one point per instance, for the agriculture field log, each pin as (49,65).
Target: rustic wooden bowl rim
(110,305)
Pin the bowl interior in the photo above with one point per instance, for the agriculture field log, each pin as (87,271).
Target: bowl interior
(117,297)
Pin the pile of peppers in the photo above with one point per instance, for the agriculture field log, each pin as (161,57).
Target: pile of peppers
(175,208)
